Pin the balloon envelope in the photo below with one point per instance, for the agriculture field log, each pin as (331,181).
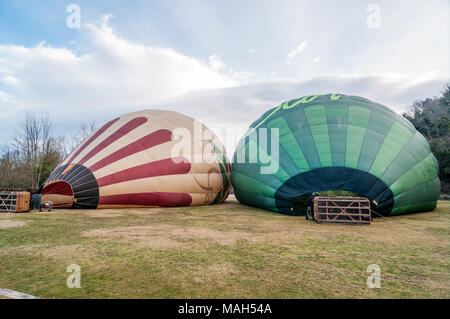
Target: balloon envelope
(146,158)
(335,142)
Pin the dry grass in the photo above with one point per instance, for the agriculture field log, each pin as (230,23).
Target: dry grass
(222,251)
(10,223)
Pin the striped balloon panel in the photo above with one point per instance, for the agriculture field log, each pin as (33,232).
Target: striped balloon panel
(130,162)
(336,142)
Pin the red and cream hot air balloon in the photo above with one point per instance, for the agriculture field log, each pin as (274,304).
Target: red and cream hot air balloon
(135,161)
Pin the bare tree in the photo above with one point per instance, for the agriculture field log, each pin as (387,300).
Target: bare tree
(10,166)
(35,153)
(34,144)
(83,133)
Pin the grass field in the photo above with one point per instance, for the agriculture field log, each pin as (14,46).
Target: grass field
(222,251)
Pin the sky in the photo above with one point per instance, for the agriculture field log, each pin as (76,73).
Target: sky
(222,62)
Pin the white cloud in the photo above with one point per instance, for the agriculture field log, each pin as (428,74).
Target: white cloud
(299,49)
(215,62)
(316,59)
(115,72)
(116,76)
(234,109)
(4,97)
(9,80)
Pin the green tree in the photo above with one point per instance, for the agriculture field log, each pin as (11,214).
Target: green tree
(431,117)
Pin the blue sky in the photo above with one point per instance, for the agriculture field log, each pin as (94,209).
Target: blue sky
(225,62)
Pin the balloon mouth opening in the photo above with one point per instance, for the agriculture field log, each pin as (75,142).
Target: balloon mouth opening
(60,193)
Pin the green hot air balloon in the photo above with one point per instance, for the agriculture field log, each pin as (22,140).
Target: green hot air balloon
(335,142)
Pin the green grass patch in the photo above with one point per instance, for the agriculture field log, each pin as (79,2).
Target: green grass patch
(222,251)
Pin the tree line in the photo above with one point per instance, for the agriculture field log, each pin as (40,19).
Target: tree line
(28,161)
(35,152)
(431,117)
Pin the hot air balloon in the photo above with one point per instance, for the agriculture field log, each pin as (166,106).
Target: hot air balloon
(141,159)
(335,142)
